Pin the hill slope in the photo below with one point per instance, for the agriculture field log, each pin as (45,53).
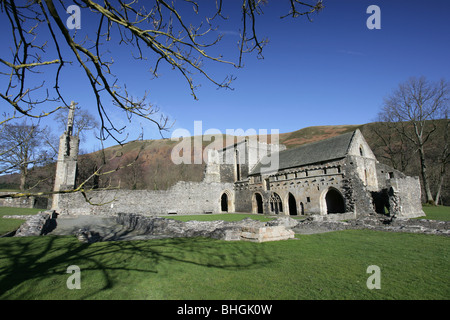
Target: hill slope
(153,169)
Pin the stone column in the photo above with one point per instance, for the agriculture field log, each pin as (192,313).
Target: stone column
(66,165)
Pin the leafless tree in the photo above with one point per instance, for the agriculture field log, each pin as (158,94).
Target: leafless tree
(160,31)
(392,148)
(21,146)
(412,110)
(441,160)
(83,121)
(183,35)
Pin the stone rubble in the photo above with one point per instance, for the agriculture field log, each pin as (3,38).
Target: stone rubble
(246,229)
(136,226)
(18,216)
(87,236)
(37,224)
(376,222)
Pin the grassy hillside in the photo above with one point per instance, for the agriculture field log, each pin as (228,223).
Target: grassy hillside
(313,134)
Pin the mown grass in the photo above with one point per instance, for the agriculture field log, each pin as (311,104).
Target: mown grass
(431,212)
(321,266)
(436,212)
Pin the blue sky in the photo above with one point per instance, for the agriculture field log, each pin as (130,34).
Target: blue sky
(332,71)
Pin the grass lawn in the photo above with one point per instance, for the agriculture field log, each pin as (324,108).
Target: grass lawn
(436,212)
(321,266)
(7,225)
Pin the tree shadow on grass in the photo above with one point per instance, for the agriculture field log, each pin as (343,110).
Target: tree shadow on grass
(35,267)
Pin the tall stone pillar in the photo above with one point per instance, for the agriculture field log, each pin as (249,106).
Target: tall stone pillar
(66,165)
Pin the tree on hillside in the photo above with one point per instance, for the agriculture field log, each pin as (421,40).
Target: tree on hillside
(440,157)
(22,145)
(412,111)
(394,149)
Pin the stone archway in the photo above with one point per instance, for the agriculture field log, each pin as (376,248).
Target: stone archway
(276,205)
(292,205)
(224,202)
(257,203)
(334,201)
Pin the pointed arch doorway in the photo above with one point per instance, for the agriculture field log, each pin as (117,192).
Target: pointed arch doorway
(292,203)
(257,203)
(334,201)
(226,202)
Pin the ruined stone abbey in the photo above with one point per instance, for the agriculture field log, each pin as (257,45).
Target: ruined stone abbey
(337,178)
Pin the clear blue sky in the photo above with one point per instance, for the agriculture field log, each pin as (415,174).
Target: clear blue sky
(332,71)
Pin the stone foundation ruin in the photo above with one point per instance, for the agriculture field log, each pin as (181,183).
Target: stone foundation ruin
(138,227)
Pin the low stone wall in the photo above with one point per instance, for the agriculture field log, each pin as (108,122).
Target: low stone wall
(37,224)
(378,223)
(246,229)
(183,198)
(334,216)
(406,199)
(24,202)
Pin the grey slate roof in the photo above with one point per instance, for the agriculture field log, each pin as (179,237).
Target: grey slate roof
(320,151)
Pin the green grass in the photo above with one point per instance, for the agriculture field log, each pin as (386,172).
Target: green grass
(436,212)
(9,190)
(7,225)
(321,266)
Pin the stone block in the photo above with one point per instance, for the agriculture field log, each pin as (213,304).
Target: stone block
(264,234)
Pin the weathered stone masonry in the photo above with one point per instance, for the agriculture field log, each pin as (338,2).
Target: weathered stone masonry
(337,177)
(183,198)
(340,175)
(66,165)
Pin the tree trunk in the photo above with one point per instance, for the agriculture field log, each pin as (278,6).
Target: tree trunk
(423,168)
(444,161)
(438,193)
(441,182)
(23,178)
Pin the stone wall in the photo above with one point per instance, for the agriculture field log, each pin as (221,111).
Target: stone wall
(365,161)
(246,229)
(308,185)
(183,198)
(385,173)
(24,202)
(406,198)
(37,225)
(398,195)
(356,191)
(235,162)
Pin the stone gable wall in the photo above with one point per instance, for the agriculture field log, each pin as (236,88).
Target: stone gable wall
(406,198)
